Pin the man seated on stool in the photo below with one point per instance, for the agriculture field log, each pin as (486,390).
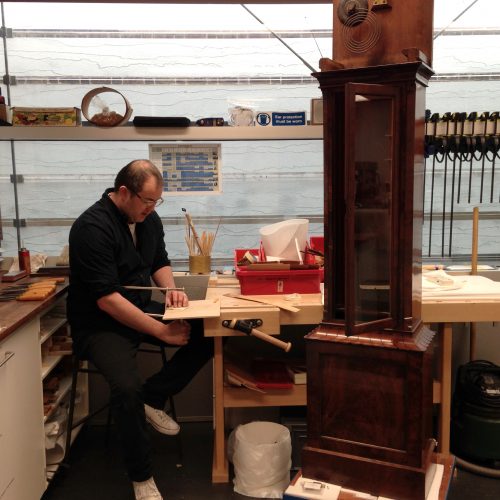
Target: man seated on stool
(119,241)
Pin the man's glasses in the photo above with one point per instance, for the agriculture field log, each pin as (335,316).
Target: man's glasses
(148,202)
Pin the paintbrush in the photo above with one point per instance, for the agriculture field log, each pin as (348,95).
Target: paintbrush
(195,234)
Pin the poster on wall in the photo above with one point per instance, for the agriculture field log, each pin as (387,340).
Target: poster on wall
(188,168)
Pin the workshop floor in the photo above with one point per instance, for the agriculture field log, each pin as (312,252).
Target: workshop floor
(96,471)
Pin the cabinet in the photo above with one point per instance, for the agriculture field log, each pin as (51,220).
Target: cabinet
(22,454)
(30,358)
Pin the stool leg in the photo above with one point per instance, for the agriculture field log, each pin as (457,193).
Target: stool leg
(71,410)
(174,414)
(178,439)
(108,425)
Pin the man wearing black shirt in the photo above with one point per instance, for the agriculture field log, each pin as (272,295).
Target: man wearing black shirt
(119,241)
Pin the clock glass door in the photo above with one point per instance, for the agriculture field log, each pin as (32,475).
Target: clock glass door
(370,173)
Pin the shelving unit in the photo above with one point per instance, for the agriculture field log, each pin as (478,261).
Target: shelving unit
(131,133)
(29,327)
(51,322)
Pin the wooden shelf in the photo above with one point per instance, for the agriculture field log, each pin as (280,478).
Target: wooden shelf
(64,387)
(50,324)
(239,397)
(49,363)
(189,134)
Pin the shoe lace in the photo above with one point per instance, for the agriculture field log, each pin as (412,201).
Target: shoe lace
(162,416)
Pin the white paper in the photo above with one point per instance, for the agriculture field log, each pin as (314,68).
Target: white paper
(285,240)
(464,287)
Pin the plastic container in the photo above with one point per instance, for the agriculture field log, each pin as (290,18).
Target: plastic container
(261,453)
(275,282)
(316,243)
(200,264)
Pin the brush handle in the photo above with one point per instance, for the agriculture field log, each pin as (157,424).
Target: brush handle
(195,234)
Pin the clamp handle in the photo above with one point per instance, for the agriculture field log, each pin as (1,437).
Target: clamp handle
(247,328)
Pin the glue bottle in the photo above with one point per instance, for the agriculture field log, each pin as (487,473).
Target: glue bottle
(24,259)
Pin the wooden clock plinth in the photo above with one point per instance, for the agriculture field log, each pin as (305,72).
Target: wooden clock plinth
(369,427)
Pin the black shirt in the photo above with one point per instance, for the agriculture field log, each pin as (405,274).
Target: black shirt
(103,259)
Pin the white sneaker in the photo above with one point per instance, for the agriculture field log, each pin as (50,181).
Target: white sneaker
(146,490)
(161,421)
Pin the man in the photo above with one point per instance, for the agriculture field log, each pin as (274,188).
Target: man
(119,241)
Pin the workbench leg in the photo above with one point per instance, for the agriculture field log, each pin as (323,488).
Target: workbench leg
(445,334)
(220,472)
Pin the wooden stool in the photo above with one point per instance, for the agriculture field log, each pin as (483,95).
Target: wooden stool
(77,368)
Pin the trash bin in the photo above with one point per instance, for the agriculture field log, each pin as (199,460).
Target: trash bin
(261,455)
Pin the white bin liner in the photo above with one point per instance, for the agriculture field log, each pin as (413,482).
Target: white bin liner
(261,454)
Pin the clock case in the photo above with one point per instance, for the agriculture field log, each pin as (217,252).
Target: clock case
(369,361)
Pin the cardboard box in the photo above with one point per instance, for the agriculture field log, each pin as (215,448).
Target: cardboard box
(302,488)
(46,117)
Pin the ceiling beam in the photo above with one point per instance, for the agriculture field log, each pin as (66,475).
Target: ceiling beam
(284,2)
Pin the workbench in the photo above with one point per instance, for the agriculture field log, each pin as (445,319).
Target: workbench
(442,311)
(272,318)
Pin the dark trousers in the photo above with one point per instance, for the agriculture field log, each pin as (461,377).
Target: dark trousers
(115,356)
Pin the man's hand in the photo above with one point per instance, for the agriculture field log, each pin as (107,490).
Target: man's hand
(176,298)
(176,333)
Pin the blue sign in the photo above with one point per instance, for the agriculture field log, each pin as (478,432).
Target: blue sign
(283,119)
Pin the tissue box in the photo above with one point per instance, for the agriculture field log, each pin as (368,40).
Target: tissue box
(275,282)
(46,117)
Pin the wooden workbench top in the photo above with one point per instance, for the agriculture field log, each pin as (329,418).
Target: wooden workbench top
(14,313)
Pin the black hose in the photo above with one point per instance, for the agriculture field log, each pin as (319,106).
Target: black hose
(477,469)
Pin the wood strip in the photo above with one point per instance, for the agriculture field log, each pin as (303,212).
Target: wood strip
(278,302)
(162,289)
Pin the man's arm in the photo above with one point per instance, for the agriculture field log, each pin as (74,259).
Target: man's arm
(118,307)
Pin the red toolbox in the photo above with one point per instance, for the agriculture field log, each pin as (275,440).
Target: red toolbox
(275,282)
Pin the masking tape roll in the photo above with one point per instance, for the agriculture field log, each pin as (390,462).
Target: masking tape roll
(112,120)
